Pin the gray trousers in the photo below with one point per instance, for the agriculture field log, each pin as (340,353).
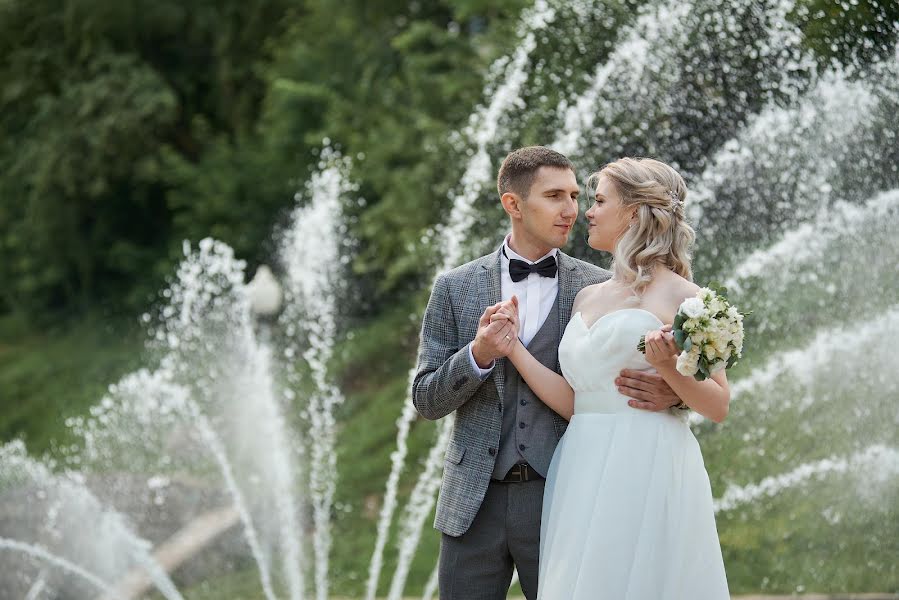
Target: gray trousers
(505,533)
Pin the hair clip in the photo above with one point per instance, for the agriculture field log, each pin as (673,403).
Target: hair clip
(675,198)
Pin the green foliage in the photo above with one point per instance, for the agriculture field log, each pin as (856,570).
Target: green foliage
(389,88)
(104,104)
(130,127)
(856,32)
(59,373)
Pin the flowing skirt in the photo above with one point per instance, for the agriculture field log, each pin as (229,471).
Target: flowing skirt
(628,514)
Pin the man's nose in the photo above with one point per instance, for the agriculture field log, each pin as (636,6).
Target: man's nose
(572,209)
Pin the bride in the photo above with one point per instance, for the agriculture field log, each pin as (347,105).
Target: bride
(627,511)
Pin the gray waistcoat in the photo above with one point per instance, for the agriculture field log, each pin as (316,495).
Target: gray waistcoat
(528,433)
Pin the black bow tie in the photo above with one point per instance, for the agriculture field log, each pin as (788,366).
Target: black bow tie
(518,269)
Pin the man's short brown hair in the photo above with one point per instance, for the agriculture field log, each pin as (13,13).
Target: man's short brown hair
(520,167)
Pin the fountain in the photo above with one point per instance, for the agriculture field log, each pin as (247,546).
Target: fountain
(71,512)
(309,252)
(229,439)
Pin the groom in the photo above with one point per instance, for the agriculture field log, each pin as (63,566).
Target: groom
(491,499)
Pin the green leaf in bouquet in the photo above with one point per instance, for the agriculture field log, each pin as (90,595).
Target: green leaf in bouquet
(687,343)
(679,339)
(718,288)
(704,367)
(679,320)
(700,376)
(732,360)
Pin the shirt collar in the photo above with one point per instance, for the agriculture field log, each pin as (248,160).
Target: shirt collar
(509,253)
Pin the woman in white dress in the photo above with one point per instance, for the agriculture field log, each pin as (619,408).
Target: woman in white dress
(627,512)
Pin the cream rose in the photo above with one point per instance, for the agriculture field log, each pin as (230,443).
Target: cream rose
(693,308)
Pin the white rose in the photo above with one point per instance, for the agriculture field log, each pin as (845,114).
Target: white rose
(710,351)
(705,294)
(716,305)
(720,343)
(687,363)
(725,356)
(722,331)
(693,308)
(713,333)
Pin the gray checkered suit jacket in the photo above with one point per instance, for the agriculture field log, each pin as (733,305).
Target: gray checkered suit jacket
(445,380)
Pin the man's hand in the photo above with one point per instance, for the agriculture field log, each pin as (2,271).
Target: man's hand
(495,337)
(648,391)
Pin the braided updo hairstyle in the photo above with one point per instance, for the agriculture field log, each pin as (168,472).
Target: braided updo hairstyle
(661,234)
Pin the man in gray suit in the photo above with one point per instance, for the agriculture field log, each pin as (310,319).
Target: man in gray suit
(491,499)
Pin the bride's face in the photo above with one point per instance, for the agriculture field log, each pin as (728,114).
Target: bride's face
(607,219)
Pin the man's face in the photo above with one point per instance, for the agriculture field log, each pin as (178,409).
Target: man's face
(550,209)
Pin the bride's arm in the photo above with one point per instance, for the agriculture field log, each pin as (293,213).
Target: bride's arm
(552,389)
(710,398)
(549,386)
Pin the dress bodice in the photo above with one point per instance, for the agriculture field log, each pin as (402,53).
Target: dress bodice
(592,357)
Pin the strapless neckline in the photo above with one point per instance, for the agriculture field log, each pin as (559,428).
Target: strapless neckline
(609,314)
(591,357)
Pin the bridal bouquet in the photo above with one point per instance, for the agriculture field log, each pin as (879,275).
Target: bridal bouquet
(709,332)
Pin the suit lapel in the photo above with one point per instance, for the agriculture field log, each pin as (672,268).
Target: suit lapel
(490,294)
(569,285)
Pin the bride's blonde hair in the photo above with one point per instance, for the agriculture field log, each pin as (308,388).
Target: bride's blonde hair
(661,234)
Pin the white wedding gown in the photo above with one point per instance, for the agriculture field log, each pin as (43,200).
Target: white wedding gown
(627,511)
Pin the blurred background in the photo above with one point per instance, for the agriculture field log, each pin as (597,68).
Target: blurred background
(220,221)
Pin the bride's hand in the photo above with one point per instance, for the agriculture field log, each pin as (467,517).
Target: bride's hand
(508,311)
(661,351)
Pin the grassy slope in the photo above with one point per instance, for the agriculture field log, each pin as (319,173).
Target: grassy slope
(47,376)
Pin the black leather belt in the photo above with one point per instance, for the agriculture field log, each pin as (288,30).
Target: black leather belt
(521,472)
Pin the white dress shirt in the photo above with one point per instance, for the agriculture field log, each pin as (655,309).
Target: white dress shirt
(536,297)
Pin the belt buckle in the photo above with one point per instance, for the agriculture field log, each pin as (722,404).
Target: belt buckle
(520,472)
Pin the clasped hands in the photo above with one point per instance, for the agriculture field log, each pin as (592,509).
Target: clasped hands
(497,335)
(497,332)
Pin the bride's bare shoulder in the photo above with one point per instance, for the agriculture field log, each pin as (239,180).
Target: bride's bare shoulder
(667,291)
(680,289)
(589,293)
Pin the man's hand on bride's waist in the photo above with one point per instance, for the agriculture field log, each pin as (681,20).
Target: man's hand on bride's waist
(647,391)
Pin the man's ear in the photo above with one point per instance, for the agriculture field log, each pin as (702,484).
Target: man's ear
(511,204)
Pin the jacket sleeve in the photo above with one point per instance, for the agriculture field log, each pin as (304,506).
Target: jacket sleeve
(444,378)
